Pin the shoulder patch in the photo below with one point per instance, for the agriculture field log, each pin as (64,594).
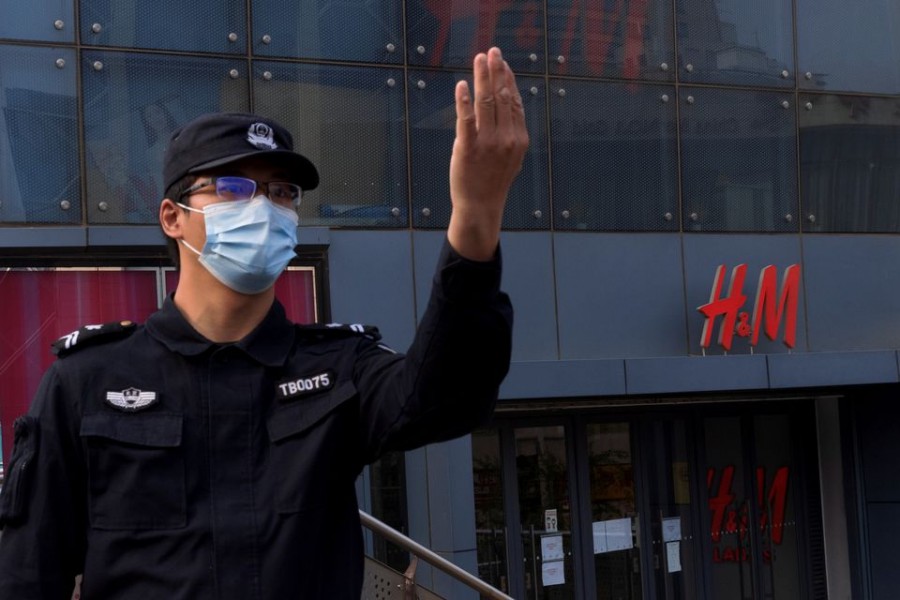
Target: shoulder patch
(91,335)
(341,330)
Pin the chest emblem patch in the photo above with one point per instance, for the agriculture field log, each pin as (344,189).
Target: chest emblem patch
(131,399)
(288,389)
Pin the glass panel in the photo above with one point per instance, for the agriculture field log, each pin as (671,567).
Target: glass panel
(543,486)
(131,104)
(730,575)
(39,179)
(614,156)
(45,20)
(850,164)
(775,501)
(350,122)
(614,516)
(432,119)
(352,30)
(450,34)
(739,160)
(388,487)
(49,304)
(736,41)
(611,38)
(849,46)
(196,26)
(670,512)
(490,525)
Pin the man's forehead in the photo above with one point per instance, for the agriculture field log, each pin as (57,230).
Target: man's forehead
(254,168)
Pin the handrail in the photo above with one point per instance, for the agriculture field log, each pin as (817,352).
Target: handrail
(435,560)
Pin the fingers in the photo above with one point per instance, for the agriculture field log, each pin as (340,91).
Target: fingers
(517,108)
(484,93)
(503,94)
(466,129)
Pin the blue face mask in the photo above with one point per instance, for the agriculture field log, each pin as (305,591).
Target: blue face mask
(248,242)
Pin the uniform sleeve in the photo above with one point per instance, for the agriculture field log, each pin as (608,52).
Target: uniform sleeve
(448,382)
(42,502)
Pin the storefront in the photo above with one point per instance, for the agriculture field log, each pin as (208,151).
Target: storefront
(687,500)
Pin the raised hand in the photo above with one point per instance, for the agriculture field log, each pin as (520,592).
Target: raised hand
(491,140)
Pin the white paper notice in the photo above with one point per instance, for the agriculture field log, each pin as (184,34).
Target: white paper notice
(618,535)
(551,547)
(553,573)
(671,529)
(673,556)
(550,520)
(599,530)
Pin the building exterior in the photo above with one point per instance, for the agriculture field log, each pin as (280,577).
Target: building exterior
(702,249)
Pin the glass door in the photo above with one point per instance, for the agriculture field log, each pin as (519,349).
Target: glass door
(614,512)
(545,512)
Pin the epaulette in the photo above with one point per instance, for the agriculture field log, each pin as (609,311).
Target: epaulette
(91,335)
(340,329)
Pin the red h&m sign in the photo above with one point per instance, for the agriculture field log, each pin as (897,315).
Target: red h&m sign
(769,310)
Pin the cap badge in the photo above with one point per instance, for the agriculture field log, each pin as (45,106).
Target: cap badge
(131,399)
(261,136)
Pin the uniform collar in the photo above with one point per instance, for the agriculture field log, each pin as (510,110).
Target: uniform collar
(268,344)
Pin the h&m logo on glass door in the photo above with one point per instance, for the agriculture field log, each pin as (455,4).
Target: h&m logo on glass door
(769,309)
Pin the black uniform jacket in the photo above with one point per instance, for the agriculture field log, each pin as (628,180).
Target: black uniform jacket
(164,466)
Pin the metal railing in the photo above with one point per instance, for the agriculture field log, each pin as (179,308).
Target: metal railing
(435,560)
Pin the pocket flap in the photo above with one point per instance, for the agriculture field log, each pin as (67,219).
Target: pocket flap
(300,415)
(158,431)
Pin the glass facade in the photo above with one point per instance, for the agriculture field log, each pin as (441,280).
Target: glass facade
(645,115)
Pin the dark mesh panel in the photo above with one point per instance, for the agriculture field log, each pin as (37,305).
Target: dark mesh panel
(738,157)
(43,20)
(850,164)
(849,46)
(194,26)
(450,33)
(611,38)
(38,136)
(349,122)
(614,156)
(735,41)
(354,30)
(432,123)
(132,102)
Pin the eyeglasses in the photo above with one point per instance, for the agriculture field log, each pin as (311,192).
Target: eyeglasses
(229,189)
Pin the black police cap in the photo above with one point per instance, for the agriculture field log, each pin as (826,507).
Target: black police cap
(217,139)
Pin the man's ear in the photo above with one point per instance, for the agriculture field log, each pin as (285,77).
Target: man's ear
(170,219)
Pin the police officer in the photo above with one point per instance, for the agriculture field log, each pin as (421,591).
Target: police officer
(212,452)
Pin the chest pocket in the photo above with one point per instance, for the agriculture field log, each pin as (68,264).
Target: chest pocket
(311,450)
(136,470)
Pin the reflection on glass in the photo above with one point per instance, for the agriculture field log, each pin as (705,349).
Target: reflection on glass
(432,124)
(349,122)
(39,178)
(43,20)
(544,500)
(353,30)
(849,45)
(198,26)
(614,156)
(735,41)
(449,34)
(738,152)
(670,511)
(614,513)
(850,164)
(775,496)
(388,488)
(627,40)
(729,511)
(490,527)
(130,108)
